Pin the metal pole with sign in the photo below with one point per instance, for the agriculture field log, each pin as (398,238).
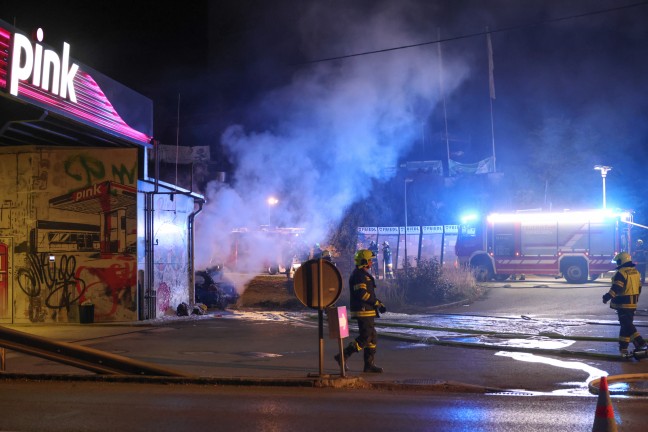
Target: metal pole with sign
(320,315)
(318,285)
(338,323)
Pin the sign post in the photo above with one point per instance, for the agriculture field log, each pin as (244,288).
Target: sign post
(318,285)
(339,329)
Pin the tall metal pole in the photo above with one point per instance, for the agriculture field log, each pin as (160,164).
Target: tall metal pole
(491,86)
(405,257)
(445,114)
(320,314)
(604,170)
(272,201)
(407,180)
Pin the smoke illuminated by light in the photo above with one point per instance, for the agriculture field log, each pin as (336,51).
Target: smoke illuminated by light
(334,130)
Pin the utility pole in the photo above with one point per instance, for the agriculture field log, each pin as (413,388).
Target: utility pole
(405,263)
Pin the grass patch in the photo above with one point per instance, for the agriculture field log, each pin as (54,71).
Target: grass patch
(428,284)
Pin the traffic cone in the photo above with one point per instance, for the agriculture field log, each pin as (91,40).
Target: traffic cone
(604,417)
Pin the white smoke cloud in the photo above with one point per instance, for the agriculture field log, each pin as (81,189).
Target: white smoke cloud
(335,127)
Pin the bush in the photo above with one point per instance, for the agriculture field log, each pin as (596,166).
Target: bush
(464,284)
(429,284)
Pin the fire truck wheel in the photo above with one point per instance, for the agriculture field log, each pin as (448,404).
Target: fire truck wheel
(575,272)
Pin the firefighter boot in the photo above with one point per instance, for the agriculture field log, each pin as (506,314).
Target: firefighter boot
(369,365)
(350,349)
(641,352)
(624,353)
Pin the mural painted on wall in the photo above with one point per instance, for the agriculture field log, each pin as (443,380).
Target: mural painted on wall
(72,219)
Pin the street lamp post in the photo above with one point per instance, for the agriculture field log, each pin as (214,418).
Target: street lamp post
(407,180)
(604,170)
(272,201)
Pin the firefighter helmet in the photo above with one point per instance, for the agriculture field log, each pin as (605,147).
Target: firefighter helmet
(385,243)
(622,258)
(363,258)
(326,254)
(640,242)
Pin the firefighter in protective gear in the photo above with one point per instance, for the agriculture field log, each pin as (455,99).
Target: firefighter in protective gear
(623,297)
(326,255)
(365,307)
(373,247)
(387,261)
(317,251)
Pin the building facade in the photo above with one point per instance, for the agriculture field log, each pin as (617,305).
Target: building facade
(81,220)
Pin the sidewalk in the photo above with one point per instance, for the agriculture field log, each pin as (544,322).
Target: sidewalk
(219,349)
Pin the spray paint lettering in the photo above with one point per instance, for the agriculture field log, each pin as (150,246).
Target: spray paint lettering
(87,169)
(84,168)
(57,281)
(121,173)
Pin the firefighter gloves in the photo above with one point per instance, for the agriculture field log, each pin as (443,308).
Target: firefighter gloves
(381,307)
(606,298)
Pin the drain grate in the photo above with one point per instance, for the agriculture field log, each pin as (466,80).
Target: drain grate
(259,354)
(511,393)
(422,382)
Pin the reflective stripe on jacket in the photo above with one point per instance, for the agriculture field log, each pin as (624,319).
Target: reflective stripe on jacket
(363,294)
(626,287)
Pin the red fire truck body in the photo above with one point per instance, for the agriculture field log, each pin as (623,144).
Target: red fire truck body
(281,250)
(576,245)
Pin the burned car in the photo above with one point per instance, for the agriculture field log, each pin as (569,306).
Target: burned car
(213,289)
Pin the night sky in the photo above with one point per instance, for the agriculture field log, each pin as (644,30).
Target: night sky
(255,84)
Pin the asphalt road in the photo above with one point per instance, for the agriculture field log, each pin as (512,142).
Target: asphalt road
(449,387)
(514,354)
(71,407)
(546,297)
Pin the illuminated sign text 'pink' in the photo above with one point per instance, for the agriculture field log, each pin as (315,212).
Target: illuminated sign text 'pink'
(43,66)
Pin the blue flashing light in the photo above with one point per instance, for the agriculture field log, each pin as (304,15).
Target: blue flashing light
(467,218)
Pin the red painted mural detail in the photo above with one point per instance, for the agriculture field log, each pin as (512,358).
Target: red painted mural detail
(113,287)
(164,297)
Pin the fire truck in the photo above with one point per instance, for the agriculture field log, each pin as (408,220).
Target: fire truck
(576,245)
(273,250)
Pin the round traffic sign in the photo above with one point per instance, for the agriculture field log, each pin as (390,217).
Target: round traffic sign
(318,283)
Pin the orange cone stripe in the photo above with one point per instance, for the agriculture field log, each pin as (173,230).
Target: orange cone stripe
(604,411)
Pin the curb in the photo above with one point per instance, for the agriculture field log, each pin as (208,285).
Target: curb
(315,382)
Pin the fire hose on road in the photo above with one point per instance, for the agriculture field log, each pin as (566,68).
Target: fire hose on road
(450,340)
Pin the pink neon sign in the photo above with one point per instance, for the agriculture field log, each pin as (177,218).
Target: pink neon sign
(91,106)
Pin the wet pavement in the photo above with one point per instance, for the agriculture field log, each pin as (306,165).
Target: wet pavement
(439,352)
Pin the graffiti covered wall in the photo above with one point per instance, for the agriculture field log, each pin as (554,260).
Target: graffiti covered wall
(68,223)
(171,271)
